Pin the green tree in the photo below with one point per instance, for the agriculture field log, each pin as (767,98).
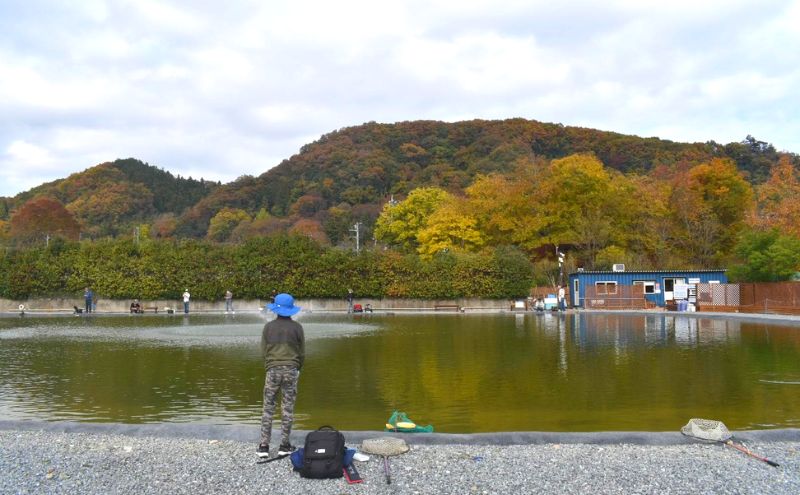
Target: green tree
(766,256)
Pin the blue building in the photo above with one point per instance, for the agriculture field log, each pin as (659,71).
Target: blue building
(659,285)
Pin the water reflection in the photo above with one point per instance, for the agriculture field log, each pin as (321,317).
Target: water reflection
(461,373)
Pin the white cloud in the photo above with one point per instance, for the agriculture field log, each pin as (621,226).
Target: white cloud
(219,90)
(29,155)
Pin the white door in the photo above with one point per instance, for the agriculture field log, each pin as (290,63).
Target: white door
(669,287)
(576,298)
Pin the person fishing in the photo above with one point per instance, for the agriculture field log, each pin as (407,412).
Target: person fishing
(283,347)
(88,299)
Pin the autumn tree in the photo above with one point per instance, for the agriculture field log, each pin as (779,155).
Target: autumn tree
(507,209)
(779,199)
(450,227)
(224,222)
(399,224)
(710,204)
(307,205)
(109,208)
(312,229)
(5,226)
(585,206)
(337,222)
(649,234)
(164,226)
(40,217)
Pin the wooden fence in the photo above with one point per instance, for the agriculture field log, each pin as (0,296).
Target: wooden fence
(616,297)
(754,297)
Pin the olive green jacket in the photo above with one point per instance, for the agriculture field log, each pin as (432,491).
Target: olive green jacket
(283,343)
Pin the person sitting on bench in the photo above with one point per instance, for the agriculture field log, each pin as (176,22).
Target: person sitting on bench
(136,307)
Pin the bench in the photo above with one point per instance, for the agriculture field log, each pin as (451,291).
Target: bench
(454,307)
(154,308)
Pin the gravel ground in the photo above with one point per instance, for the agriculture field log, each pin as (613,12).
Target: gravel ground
(41,461)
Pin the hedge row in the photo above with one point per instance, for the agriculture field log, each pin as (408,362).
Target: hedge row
(122,269)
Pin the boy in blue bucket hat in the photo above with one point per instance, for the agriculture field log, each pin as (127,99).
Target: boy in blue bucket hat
(283,346)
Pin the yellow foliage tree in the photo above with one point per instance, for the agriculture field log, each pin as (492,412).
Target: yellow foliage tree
(585,206)
(399,224)
(507,209)
(449,228)
(224,222)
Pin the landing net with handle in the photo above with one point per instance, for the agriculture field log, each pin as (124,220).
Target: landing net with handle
(707,429)
(716,431)
(386,446)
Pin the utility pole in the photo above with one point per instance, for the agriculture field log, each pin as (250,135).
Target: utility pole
(136,235)
(356,228)
(560,257)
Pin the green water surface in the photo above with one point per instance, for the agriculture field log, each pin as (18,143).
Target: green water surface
(459,372)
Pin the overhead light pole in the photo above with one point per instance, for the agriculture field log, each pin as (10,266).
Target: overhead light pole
(560,257)
(356,228)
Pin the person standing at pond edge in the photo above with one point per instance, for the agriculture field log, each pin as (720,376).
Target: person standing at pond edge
(228,301)
(88,299)
(350,296)
(562,301)
(186,297)
(284,350)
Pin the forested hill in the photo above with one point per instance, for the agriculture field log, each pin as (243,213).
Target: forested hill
(348,174)
(108,198)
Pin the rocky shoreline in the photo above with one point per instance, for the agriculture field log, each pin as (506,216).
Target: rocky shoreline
(40,457)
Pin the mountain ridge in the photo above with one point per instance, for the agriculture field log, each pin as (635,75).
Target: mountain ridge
(346,175)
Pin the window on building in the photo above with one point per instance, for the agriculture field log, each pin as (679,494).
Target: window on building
(649,285)
(606,287)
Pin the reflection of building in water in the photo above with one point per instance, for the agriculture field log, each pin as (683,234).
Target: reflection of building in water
(618,330)
(655,328)
(690,330)
(624,330)
(685,330)
(551,323)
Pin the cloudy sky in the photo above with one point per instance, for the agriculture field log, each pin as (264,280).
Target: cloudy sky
(213,89)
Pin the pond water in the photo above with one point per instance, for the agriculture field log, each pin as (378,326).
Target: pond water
(461,373)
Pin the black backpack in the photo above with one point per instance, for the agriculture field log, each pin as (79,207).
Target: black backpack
(323,454)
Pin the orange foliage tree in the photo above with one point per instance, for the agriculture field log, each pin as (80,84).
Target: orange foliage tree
(779,199)
(41,217)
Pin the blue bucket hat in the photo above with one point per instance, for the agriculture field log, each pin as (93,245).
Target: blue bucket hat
(284,305)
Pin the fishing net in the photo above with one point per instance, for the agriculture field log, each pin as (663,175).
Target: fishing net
(385,446)
(707,429)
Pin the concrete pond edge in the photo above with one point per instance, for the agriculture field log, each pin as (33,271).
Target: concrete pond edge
(243,433)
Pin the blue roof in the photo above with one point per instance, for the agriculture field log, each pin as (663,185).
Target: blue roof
(707,270)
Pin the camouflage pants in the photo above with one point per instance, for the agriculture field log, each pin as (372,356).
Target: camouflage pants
(283,379)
